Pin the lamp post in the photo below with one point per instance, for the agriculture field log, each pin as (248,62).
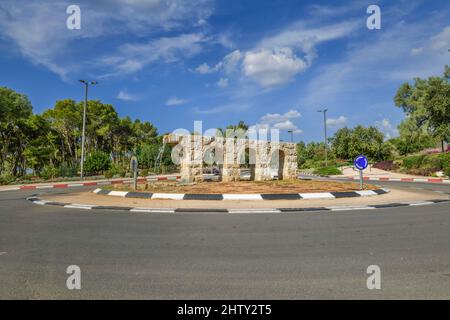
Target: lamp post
(86,86)
(324,111)
(292,135)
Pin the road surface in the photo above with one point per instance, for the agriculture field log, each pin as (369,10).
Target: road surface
(315,255)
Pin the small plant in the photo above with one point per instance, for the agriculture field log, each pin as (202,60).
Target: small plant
(386,165)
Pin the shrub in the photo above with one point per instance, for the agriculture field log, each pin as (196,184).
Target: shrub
(97,162)
(113,170)
(447,171)
(48,172)
(386,165)
(327,171)
(67,171)
(144,172)
(6,178)
(413,162)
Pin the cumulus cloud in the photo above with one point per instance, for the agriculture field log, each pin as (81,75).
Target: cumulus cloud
(272,68)
(279,121)
(276,60)
(337,122)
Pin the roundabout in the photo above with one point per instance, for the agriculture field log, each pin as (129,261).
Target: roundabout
(196,254)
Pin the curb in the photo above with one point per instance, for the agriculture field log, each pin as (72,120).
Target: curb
(92,184)
(256,196)
(428,180)
(38,201)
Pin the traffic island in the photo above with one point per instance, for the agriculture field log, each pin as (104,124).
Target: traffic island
(289,201)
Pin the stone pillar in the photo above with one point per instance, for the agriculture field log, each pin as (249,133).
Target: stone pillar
(290,170)
(192,160)
(230,169)
(262,165)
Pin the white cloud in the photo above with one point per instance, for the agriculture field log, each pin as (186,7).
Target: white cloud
(279,121)
(37,29)
(367,66)
(337,122)
(441,41)
(228,64)
(277,59)
(272,68)
(387,128)
(222,83)
(126,96)
(133,57)
(174,101)
(276,117)
(416,51)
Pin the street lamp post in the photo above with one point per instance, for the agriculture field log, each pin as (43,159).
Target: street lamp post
(324,111)
(86,86)
(292,135)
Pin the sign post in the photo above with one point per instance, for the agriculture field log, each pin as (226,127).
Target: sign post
(134,167)
(361,163)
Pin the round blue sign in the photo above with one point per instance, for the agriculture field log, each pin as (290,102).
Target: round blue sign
(361,162)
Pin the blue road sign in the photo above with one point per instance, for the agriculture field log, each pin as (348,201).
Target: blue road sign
(361,162)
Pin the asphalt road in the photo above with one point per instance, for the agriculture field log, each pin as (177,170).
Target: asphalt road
(313,255)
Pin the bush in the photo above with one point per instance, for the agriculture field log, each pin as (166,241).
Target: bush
(413,162)
(144,172)
(97,162)
(447,171)
(67,171)
(48,172)
(113,171)
(6,178)
(327,171)
(386,165)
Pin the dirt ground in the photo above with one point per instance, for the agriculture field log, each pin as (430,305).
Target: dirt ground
(276,186)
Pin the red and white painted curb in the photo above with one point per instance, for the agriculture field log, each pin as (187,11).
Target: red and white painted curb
(426,180)
(92,183)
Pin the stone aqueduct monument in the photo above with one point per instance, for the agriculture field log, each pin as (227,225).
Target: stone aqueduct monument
(192,151)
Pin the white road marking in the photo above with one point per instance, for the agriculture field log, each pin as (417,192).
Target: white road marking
(337,208)
(153,210)
(422,203)
(254,210)
(2,253)
(79,206)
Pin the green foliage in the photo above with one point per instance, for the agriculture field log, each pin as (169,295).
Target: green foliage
(67,171)
(413,162)
(49,172)
(349,143)
(6,178)
(97,162)
(427,102)
(327,171)
(412,137)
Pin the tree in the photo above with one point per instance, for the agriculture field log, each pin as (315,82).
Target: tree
(15,109)
(428,103)
(349,143)
(412,138)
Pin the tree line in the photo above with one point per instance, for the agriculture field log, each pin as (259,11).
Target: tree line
(426,104)
(50,143)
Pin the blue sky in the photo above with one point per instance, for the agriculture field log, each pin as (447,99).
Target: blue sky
(269,63)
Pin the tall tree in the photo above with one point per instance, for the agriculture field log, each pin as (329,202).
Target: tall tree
(427,101)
